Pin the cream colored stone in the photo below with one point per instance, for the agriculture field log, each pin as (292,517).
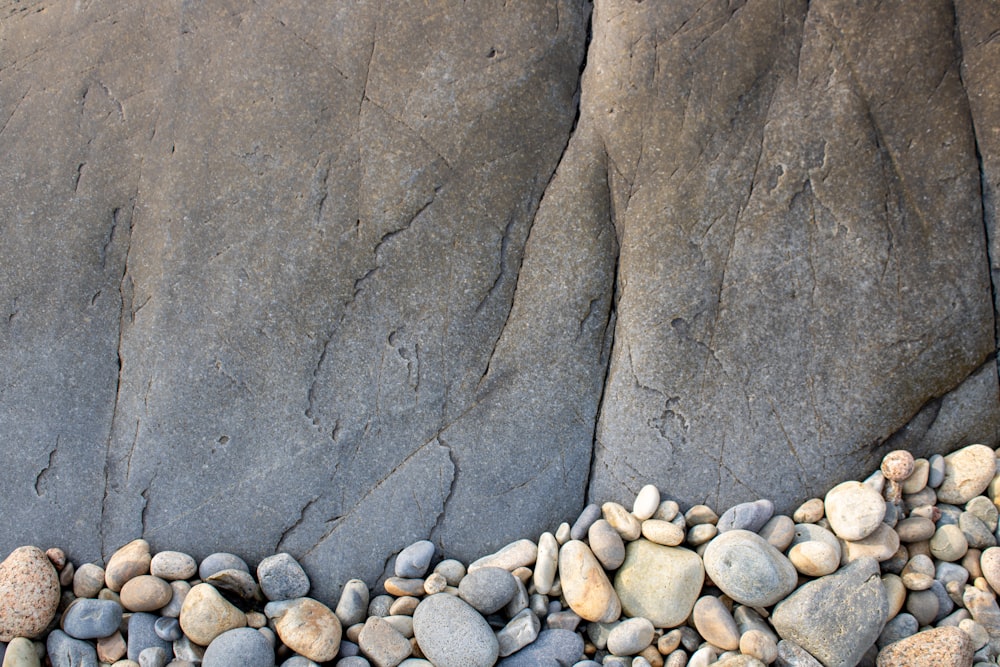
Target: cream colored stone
(309,628)
(586,587)
(814,559)
(967,473)
(129,561)
(205,615)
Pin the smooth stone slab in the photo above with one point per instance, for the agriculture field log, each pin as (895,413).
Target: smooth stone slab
(451,633)
(748,569)
(64,651)
(659,583)
(282,578)
(553,648)
(87,618)
(585,585)
(836,618)
(239,647)
(967,473)
(29,593)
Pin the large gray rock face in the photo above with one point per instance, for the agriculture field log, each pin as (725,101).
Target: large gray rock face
(330,278)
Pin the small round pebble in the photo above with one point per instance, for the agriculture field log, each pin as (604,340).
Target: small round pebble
(88,580)
(142,634)
(520,631)
(154,656)
(646,502)
(759,645)
(714,622)
(240,647)
(178,592)
(452,570)
(487,589)
(746,516)
(854,510)
(20,652)
(168,629)
(949,543)
(661,532)
(306,626)
(814,558)
(627,525)
(779,531)
(353,604)
(282,578)
(810,511)
(413,561)
(607,544)
(145,593)
(546,563)
(588,516)
(129,561)
(968,472)
(383,644)
(220,561)
(897,465)
(630,636)
(936,471)
(205,615)
(173,566)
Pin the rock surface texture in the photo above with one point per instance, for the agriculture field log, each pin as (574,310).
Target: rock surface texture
(483,261)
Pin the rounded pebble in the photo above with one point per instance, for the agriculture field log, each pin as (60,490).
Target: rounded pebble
(941,647)
(145,593)
(88,580)
(630,636)
(129,561)
(746,516)
(451,633)
(553,647)
(949,543)
(810,511)
(87,618)
(282,578)
(661,532)
(382,643)
(854,510)
(413,561)
(514,555)
(173,566)
(814,558)
(588,516)
(646,502)
(759,645)
(217,562)
(141,633)
(586,587)
(353,604)
(487,589)
(306,626)
(29,593)
(205,615)
(607,544)
(520,631)
(748,569)
(240,647)
(968,472)
(714,622)
(897,465)
(936,469)
(779,531)
(546,563)
(627,525)
(64,651)
(659,583)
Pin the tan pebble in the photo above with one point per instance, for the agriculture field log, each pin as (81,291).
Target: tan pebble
(129,561)
(525,574)
(700,534)
(916,481)
(897,465)
(435,583)
(145,593)
(967,473)
(57,557)
(949,543)
(646,502)
(714,622)
(452,570)
(402,586)
(895,593)
(972,562)
(931,512)
(108,594)
(556,590)
(310,628)
(21,652)
(989,565)
(810,511)
(29,593)
(111,649)
(256,620)
(652,656)
(415,651)
(88,580)
(587,589)
(402,623)
(918,573)
(352,633)
(173,566)
(662,532)
(983,585)
(677,658)
(779,531)
(854,510)
(66,576)
(205,615)
(622,520)
(126,663)
(240,582)
(699,514)
(915,529)
(814,558)
(759,645)
(405,605)
(921,547)
(512,556)
(880,545)
(669,642)
(563,533)
(667,511)
(977,633)
(941,647)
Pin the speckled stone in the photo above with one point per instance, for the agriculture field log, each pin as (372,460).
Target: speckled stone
(239,647)
(451,633)
(129,561)
(938,647)
(29,593)
(282,578)
(748,569)
(968,472)
(659,583)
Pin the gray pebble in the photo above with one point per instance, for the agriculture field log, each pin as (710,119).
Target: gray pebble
(413,561)
(218,562)
(348,648)
(898,628)
(588,516)
(487,589)
(936,473)
(353,604)
(976,532)
(282,578)
(746,516)
(452,570)
(518,633)
(984,508)
(923,605)
(179,591)
(607,545)
(64,651)
(587,663)
(630,636)
(520,601)
(539,604)
(154,656)
(555,648)
(142,635)
(791,654)
(242,647)
(949,515)
(563,620)
(453,634)
(88,618)
(172,566)
(416,662)
(945,604)
(379,605)
(185,649)
(353,661)
(168,629)
(299,661)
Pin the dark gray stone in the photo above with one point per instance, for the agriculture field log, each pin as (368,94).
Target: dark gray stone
(91,619)
(553,648)
(900,627)
(282,578)
(242,647)
(836,618)
(487,589)
(142,635)
(168,629)
(64,651)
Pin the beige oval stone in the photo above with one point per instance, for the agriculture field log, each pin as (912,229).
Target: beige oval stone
(646,502)
(895,593)
(145,593)
(659,583)
(205,615)
(88,580)
(915,529)
(21,653)
(309,628)
(917,480)
(814,559)
(514,555)
(622,520)
(918,573)
(662,532)
(129,561)
(949,543)
(586,587)
(759,645)
(854,510)
(715,624)
(173,566)
(810,511)
(967,473)
(779,531)
(29,593)
(989,563)
(880,545)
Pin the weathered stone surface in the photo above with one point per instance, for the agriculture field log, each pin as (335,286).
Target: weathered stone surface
(309,241)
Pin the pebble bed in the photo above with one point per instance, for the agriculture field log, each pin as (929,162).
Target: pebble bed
(899,570)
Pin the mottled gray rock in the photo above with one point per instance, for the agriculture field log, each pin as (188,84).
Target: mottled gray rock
(836,618)
(91,619)
(748,569)
(142,635)
(64,651)
(452,634)
(553,648)
(220,561)
(240,647)
(282,578)
(487,589)
(413,560)
(746,516)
